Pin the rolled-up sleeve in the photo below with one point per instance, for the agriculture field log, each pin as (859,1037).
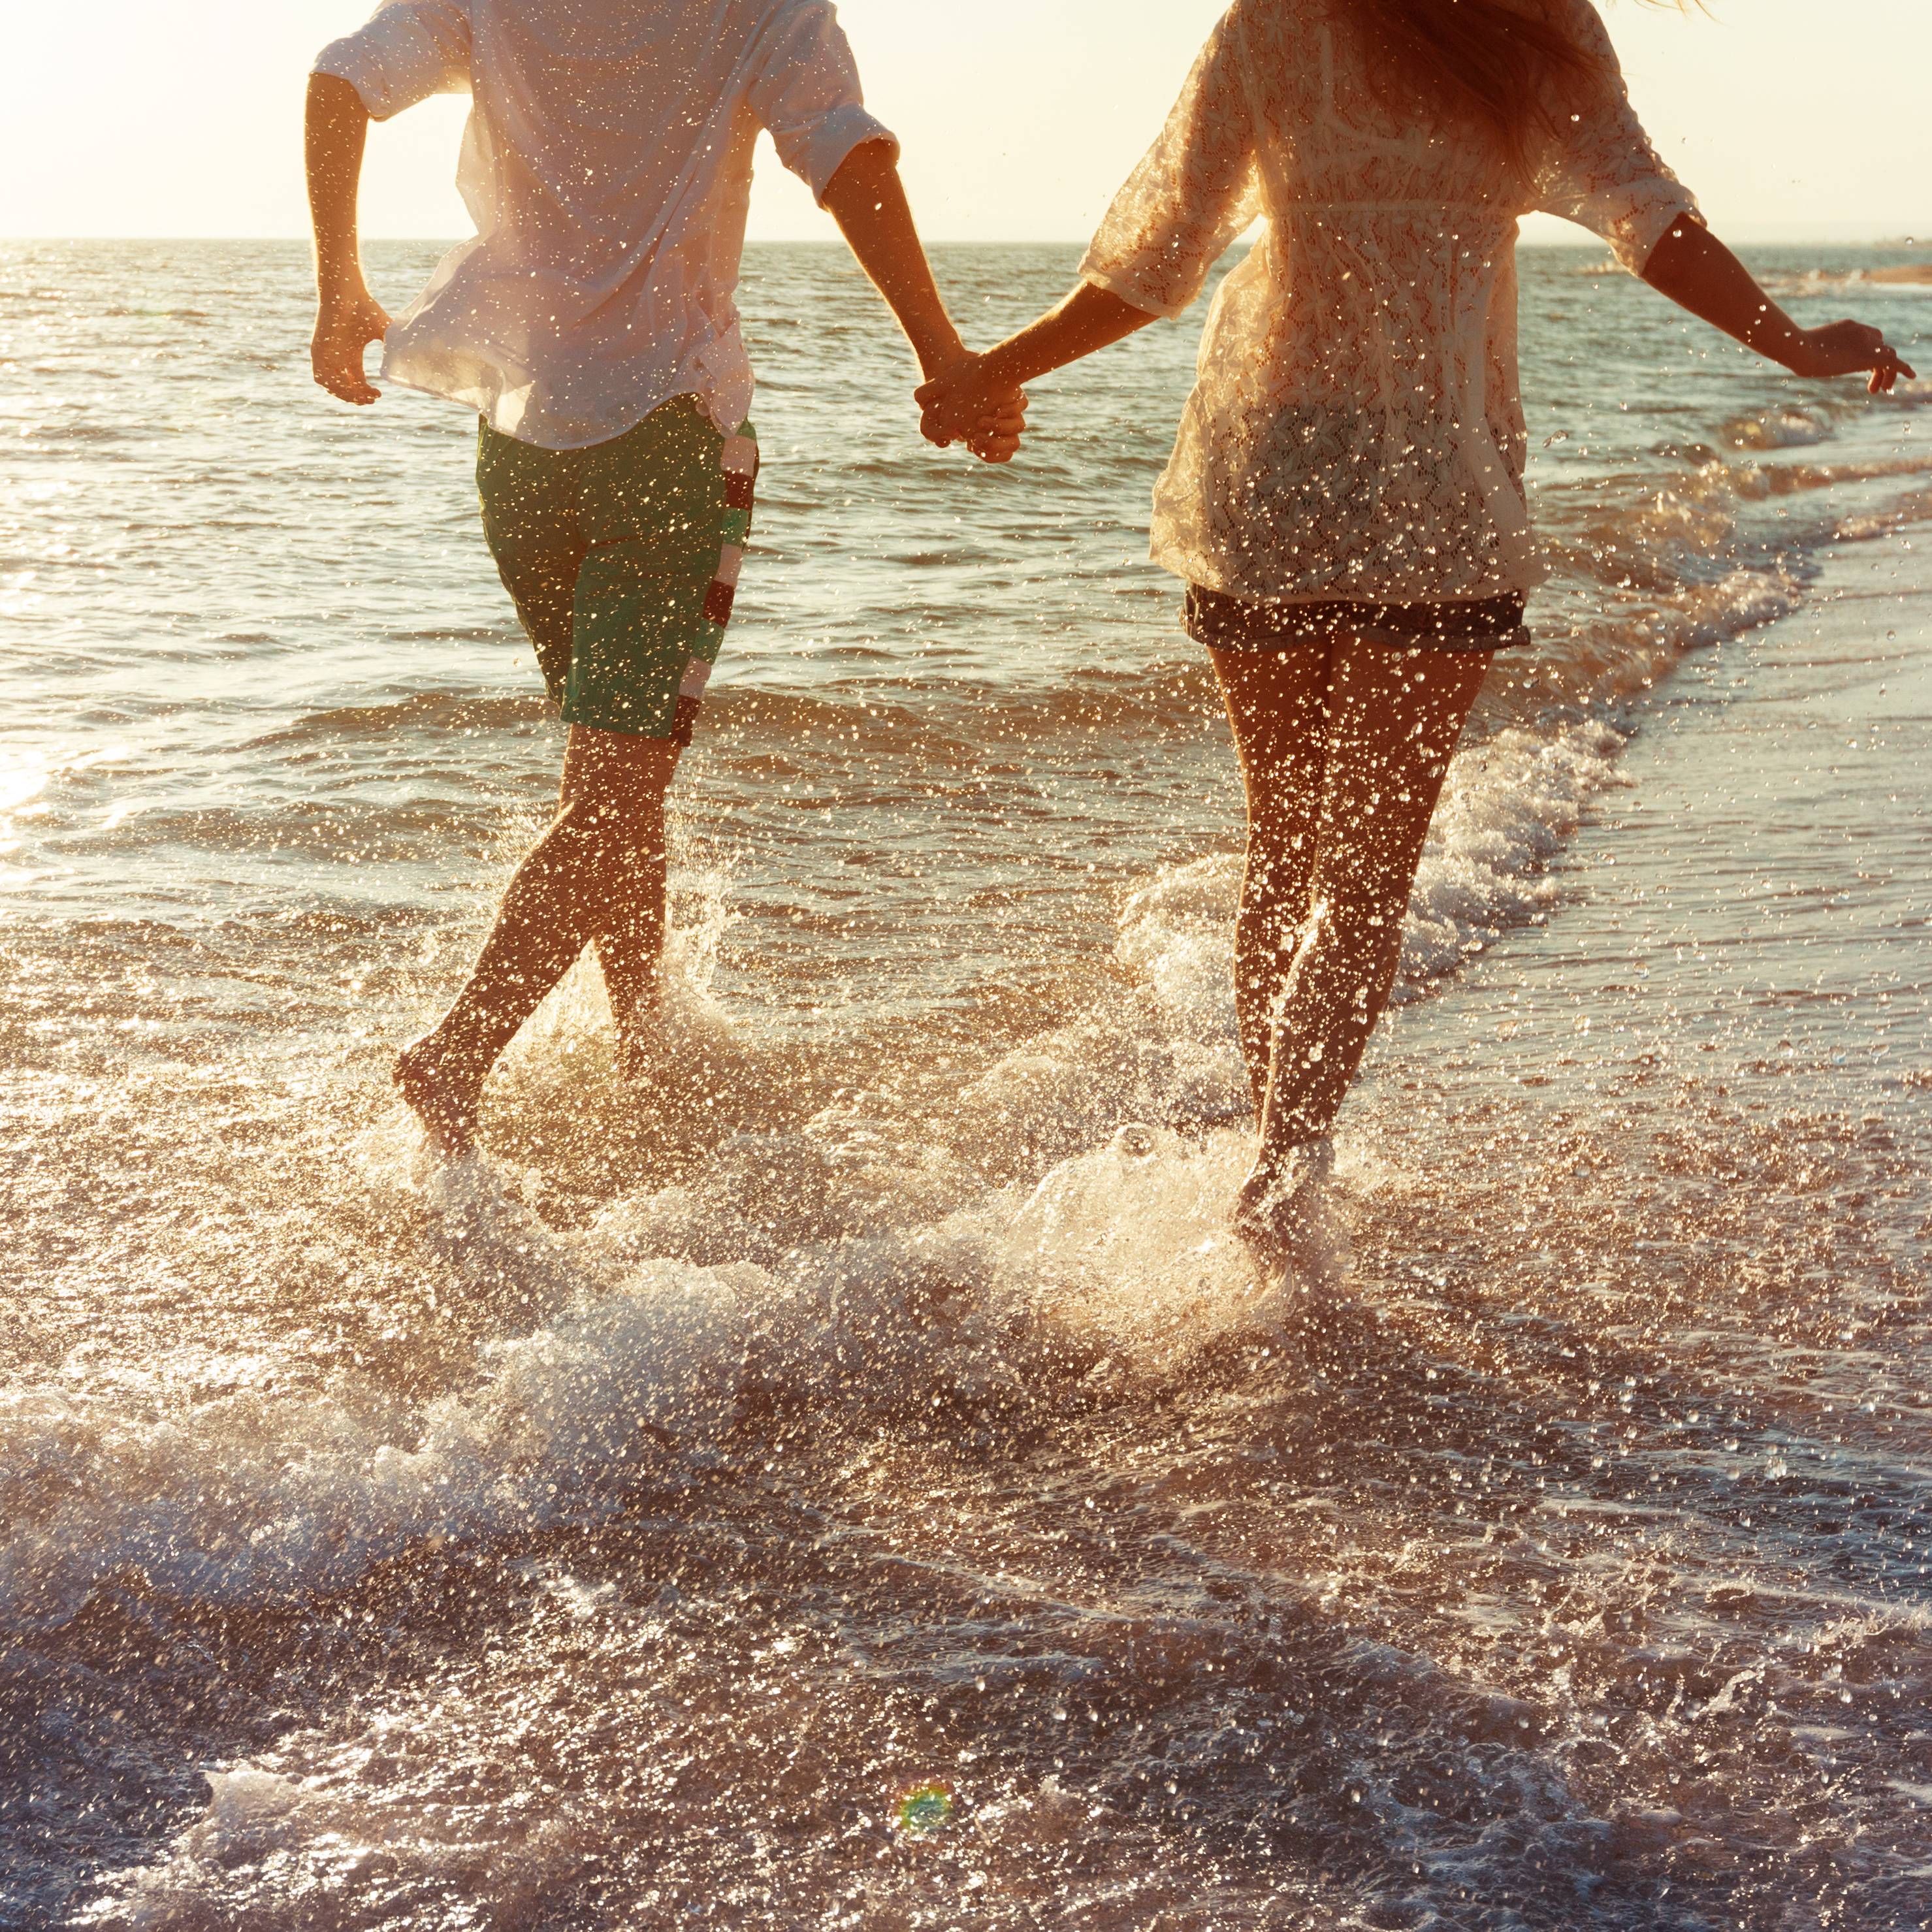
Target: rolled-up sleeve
(805,90)
(1599,167)
(1196,189)
(405,52)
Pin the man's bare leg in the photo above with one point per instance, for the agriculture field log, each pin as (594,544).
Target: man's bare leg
(630,930)
(598,873)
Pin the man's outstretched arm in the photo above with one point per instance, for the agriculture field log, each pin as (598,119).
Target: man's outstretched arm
(868,201)
(347,317)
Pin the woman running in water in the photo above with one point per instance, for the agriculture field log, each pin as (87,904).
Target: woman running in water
(1345,502)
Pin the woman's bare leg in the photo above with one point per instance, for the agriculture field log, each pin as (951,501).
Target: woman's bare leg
(598,873)
(1277,709)
(1394,718)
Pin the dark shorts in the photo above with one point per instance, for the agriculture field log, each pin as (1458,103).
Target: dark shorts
(1266,624)
(622,560)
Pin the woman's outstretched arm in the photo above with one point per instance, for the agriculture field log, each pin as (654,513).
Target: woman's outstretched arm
(1195,189)
(1690,264)
(1698,272)
(1090,318)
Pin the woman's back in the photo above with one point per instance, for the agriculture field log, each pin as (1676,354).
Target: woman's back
(1356,431)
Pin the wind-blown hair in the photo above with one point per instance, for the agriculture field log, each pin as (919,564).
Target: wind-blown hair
(1490,61)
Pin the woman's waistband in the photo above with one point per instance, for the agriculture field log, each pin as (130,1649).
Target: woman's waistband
(1266,624)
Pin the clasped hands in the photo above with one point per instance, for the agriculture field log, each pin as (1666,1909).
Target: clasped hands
(965,402)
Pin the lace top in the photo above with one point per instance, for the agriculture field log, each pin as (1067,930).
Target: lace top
(1355,431)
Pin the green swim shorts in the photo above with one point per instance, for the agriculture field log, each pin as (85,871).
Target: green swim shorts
(621,560)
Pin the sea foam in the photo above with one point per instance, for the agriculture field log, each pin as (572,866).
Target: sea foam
(631,1339)
(868,1259)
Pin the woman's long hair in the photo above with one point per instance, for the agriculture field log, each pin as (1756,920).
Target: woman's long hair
(1488,61)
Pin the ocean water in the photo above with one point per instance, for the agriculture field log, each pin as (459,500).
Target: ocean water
(610,1533)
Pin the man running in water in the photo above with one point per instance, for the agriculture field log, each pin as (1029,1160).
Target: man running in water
(589,323)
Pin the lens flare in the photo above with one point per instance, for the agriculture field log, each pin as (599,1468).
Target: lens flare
(925,1808)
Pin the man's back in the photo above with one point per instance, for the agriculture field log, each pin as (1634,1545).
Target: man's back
(607,166)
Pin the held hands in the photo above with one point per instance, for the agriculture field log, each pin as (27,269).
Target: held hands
(345,326)
(1849,348)
(958,404)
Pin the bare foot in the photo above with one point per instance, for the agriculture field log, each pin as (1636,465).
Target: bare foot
(1279,1214)
(443,1096)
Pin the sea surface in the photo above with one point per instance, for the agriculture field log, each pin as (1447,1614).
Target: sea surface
(847,1479)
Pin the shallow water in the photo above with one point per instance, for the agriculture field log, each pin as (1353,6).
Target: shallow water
(606,1535)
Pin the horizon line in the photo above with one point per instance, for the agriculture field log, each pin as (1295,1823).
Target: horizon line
(1748,236)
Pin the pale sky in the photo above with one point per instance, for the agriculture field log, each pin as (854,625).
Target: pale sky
(1019,117)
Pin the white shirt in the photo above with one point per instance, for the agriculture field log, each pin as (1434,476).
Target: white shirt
(606,165)
(1355,431)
